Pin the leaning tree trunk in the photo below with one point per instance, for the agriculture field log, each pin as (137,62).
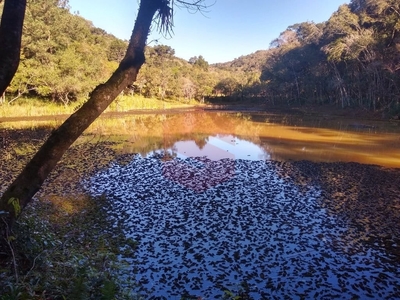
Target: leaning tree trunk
(10,40)
(29,181)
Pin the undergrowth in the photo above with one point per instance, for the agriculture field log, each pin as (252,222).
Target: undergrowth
(54,255)
(63,245)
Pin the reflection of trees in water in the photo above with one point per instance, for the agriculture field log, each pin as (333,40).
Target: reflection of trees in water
(151,133)
(365,197)
(200,140)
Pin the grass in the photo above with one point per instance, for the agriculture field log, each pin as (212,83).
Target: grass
(30,107)
(25,107)
(127,103)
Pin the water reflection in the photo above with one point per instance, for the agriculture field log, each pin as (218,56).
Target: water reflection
(218,135)
(236,201)
(259,135)
(288,229)
(215,148)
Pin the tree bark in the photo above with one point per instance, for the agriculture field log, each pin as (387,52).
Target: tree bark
(29,181)
(10,40)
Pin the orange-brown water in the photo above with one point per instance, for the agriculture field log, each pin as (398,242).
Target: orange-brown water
(220,135)
(246,136)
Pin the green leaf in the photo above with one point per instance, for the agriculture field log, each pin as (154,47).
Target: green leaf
(15,204)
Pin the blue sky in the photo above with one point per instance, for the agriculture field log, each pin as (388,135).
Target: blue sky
(229,29)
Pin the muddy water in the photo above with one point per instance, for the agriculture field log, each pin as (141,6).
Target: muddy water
(254,136)
(257,205)
(257,136)
(262,206)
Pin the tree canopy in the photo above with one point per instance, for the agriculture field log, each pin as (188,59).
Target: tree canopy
(352,59)
(63,57)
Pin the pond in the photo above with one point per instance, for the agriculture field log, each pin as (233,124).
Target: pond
(224,204)
(257,205)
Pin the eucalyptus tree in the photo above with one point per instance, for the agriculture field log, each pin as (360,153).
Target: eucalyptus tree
(31,178)
(341,24)
(280,72)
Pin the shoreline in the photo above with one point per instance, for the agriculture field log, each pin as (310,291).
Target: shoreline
(322,111)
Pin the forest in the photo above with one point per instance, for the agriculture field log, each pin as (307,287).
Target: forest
(352,59)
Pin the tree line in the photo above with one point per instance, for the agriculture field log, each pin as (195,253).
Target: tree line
(64,56)
(353,59)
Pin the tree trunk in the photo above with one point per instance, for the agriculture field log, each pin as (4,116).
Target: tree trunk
(10,40)
(29,181)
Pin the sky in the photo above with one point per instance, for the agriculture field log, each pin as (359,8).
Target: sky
(228,30)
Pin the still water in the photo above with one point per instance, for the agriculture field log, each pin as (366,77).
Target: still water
(256,136)
(253,205)
(256,205)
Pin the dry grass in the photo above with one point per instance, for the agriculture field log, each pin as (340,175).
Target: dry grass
(36,107)
(126,103)
(33,107)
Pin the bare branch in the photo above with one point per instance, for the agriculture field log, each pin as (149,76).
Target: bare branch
(194,6)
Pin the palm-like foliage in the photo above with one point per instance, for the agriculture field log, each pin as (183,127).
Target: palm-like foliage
(164,19)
